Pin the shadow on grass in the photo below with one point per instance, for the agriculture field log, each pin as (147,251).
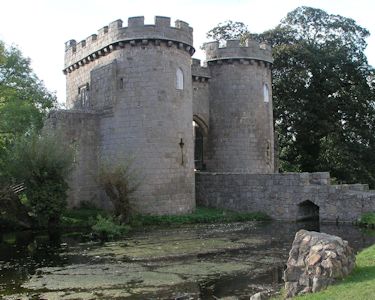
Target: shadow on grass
(361,274)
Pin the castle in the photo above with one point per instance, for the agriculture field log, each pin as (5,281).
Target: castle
(136,93)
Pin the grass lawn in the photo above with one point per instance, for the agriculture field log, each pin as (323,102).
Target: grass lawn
(86,217)
(200,215)
(359,285)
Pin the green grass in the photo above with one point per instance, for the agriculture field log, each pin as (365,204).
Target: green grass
(359,285)
(87,217)
(367,219)
(201,215)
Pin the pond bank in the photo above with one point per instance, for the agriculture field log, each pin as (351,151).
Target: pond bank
(358,285)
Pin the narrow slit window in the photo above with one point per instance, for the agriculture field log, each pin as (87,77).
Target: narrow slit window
(266,93)
(83,95)
(179,79)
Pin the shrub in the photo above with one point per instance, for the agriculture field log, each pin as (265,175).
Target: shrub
(367,219)
(119,184)
(106,228)
(42,164)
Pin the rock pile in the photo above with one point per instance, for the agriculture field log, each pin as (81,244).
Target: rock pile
(315,261)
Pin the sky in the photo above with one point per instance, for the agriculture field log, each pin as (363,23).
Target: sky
(39,28)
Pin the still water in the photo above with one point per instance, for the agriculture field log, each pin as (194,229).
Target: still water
(205,261)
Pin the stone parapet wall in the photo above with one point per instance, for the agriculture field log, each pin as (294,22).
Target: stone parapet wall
(115,36)
(235,50)
(199,72)
(281,195)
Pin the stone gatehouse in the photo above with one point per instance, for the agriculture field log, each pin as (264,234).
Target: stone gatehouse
(192,131)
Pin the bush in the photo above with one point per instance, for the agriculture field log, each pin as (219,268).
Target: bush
(108,228)
(119,184)
(42,164)
(367,219)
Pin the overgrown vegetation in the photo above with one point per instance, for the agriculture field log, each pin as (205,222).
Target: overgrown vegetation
(80,218)
(119,183)
(367,219)
(323,93)
(40,163)
(107,228)
(26,159)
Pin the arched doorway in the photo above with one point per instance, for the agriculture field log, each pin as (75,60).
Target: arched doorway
(200,134)
(308,211)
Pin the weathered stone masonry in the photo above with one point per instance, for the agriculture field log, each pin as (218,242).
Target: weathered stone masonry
(289,196)
(126,77)
(133,93)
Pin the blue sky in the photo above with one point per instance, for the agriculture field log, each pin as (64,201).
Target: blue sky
(41,27)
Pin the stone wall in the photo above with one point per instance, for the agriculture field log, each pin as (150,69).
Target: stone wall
(137,81)
(201,104)
(241,135)
(284,196)
(80,128)
(151,125)
(113,41)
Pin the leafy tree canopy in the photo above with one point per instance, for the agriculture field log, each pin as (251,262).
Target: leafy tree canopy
(42,164)
(229,30)
(24,100)
(323,94)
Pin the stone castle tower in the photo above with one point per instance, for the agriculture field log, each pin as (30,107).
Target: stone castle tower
(133,93)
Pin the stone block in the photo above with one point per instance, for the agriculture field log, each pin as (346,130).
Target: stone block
(315,261)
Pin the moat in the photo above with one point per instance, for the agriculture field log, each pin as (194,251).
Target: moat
(209,261)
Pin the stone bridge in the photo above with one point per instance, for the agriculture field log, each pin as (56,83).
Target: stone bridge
(287,196)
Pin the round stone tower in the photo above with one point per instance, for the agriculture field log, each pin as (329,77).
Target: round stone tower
(241,135)
(137,80)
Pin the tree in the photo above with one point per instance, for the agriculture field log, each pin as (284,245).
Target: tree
(24,100)
(42,164)
(229,30)
(323,94)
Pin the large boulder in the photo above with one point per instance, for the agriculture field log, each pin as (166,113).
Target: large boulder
(315,261)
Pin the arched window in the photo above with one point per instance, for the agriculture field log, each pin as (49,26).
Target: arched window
(179,79)
(266,93)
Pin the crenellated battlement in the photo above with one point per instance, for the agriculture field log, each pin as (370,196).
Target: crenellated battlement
(115,36)
(234,50)
(200,73)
